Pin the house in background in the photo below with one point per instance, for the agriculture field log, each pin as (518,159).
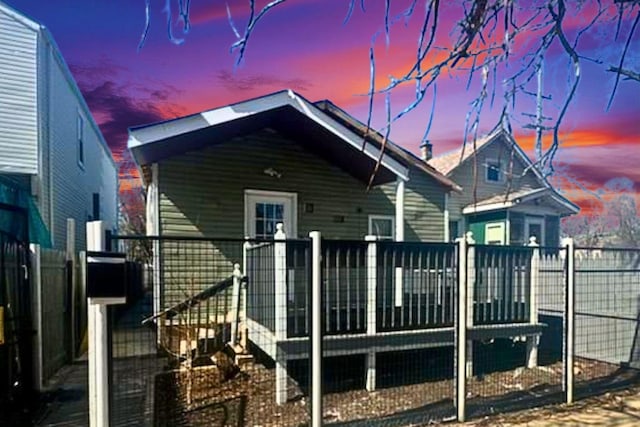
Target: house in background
(505,199)
(54,162)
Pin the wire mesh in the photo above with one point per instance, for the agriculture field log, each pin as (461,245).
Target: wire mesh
(515,354)
(607,306)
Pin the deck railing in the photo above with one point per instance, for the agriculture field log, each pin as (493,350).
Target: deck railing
(502,290)
(416,285)
(372,286)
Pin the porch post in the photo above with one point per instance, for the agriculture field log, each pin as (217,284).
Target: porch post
(398,279)
(280,311)
(532,340)
(400,210)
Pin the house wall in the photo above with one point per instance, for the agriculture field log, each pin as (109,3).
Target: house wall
(68,190)
(464,176)
(18,96)
(202,192)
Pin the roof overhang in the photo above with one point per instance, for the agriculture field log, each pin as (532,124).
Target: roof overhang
(287,113)
(564,206)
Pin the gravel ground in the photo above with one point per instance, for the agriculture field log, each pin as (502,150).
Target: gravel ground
(248,399)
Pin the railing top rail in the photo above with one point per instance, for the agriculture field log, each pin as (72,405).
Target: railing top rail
(606,249)
(177,237)
(188,303)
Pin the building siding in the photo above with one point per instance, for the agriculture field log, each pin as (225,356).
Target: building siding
(202,192)
(73,184)
(464,176)
(18,97)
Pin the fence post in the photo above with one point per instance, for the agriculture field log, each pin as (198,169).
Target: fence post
(71,264)
(98,343)
(372,279)
(461,330)
(316,330)
(534,284)
(36,283)
(570,323)
(471,282)
(237,276)
(280,312)
(244,339)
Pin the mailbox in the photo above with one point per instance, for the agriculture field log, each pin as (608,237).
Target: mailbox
(106,278)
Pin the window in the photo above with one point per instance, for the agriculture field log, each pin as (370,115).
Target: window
(80,134)
(382,226)
(265,209)
(494,172)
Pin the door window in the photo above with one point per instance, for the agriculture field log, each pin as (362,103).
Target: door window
(265,209)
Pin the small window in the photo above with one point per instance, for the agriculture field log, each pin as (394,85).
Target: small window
(80,133)
(382,226)
(494,172)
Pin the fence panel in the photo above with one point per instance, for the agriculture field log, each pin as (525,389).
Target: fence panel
(56,312)
(607,305)
(514,356)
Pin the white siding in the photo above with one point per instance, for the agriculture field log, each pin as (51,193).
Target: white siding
(18,96)
(73,184)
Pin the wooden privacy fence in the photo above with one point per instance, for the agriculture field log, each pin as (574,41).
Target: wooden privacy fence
(56,311)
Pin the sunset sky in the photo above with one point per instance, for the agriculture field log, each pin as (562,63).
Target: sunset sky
(304,45)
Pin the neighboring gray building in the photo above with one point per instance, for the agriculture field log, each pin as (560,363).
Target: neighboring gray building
(52,154)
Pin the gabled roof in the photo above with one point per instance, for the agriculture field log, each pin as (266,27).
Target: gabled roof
(324,133)
(449,162)
(361,129)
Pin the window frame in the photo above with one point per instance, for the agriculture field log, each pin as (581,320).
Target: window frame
(374,217)
(80,149)
(492,162)
(290,201)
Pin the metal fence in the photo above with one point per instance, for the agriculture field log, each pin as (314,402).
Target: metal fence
(607,319)
(16,374)
(218,331)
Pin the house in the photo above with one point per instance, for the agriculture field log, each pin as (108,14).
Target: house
(54,162)
(237,170)
(506,199)
(54,166)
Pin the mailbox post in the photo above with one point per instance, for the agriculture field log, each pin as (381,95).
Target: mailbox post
(106,284)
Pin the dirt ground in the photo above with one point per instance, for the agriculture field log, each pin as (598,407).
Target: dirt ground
(248,399)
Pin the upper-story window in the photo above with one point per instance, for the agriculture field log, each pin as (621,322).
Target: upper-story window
(80,141)
(494,171)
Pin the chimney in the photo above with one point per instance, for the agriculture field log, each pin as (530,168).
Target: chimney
(426,150)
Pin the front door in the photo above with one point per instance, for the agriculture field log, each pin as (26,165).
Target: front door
(265,209)
(534,227)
